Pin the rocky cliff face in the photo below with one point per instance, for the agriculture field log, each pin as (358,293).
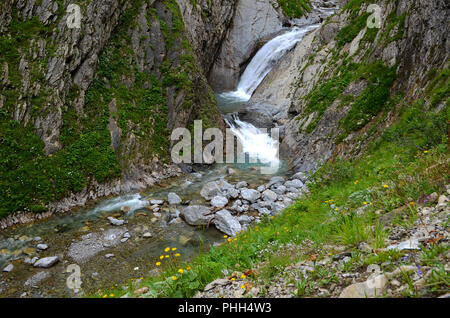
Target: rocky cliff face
(96,103)
(345,82)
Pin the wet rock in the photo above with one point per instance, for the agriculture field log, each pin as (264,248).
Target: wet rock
(108,256)
(93,243)
(226,223)
(8,268)
(42,247)
(36,279)
(250,195)
(215,188)
(46,262)
(156,202)
(147,235)
(196,215)
(173,199)
(115,221)
(219,202)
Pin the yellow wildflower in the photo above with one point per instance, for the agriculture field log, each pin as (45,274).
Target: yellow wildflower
(167,249)
(181,271)
(174,278)
(158,264)
(174,249)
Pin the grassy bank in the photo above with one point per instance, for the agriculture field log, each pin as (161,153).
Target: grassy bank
(345,207)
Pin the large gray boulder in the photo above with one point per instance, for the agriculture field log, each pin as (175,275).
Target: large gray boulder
(196,215)
(219,201)
(269,195)
(297,184)
(226,223)
(250,195)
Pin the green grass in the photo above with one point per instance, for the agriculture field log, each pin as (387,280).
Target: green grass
(295,8)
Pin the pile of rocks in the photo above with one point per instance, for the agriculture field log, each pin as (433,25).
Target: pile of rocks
(233,207)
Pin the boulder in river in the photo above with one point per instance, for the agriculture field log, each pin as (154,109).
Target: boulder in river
(173,198)
(46,262)
(214,188)
(196,215)
(115,221)
(8,268)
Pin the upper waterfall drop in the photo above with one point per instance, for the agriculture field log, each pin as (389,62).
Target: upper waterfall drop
(264,60)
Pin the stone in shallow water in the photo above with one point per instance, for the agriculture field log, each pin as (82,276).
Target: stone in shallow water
(42,247)
(46,262)
(215,188)
(196,215)
(173,198)
(93,243)
(8,268)
(34,280)
(116,222)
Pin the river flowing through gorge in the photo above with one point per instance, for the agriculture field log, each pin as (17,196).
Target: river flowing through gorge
(112,255)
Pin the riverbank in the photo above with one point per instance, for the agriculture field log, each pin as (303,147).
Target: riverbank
(140,181)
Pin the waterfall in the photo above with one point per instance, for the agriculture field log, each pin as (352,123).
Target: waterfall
(264,60)
(259,146)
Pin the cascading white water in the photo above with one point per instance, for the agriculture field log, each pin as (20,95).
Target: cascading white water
(264,60)
(259,146)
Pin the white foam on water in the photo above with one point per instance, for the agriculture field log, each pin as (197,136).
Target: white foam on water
(259,146)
